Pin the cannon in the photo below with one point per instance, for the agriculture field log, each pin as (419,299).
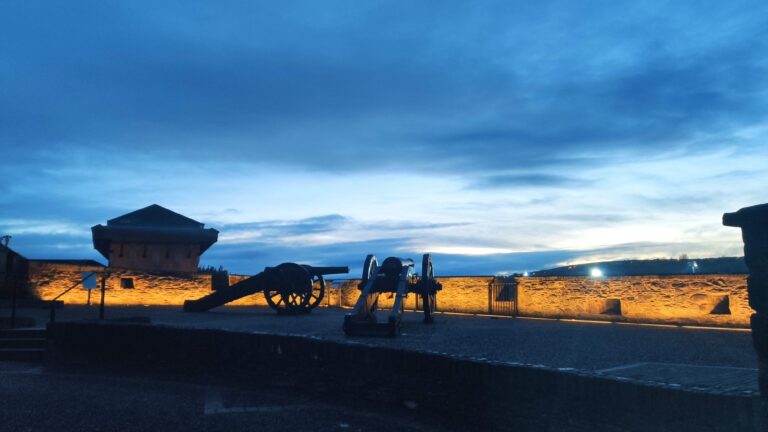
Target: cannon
(395,275)
(289,288)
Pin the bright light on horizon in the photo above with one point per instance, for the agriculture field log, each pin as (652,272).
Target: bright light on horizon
(596,273)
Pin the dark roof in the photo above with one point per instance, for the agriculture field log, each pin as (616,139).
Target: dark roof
(153,224)
(79,263)
(156,216)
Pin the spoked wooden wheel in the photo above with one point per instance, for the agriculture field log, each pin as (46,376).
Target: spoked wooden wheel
(427,269)
(427,287)
(317,293)
(370,267)
(289,288)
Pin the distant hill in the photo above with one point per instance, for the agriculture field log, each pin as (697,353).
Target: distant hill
(725,265)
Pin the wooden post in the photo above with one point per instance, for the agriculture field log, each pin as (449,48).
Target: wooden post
(15,284)
(103,288)
(13,302)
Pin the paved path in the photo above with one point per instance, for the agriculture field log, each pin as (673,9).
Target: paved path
(703,359)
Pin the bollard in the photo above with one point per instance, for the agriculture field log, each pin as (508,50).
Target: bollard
(753,222)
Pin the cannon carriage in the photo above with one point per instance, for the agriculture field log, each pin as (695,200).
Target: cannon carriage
(396,276)
(288,288)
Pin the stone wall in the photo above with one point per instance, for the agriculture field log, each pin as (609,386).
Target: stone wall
(126,287)
(123,287)
(711,300)
(716,300)
(467,294)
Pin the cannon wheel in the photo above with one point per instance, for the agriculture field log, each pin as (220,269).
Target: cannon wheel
(289,288)
(317,292)
(427,294)
(370,266)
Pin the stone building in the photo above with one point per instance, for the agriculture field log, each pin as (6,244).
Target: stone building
(153,239)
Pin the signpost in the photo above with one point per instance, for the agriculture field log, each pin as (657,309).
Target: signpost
(89,283)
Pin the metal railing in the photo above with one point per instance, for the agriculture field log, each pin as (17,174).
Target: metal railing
(502,298)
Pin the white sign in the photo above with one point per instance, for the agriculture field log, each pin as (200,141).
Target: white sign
(89,280)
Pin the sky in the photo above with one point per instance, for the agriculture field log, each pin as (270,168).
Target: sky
(501,136)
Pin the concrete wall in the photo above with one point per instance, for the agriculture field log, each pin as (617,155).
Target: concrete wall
(712,300)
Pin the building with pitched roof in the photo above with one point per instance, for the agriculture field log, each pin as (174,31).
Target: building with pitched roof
(153,239)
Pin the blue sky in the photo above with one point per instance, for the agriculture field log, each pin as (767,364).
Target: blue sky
(502,136)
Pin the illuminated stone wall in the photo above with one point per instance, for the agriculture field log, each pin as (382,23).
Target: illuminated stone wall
(719,300)
(713,300)
(459,294)
(123,287)
(126,287)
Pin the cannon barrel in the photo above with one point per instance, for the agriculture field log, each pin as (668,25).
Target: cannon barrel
(732,219)
(322,271)
(393,266)
(747,217)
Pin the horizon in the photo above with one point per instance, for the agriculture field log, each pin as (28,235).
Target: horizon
(502,137)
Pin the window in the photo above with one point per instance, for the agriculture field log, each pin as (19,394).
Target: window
(126,283)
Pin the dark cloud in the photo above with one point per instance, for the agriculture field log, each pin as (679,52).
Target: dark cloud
(314,86)
(529,180)
(252,258)
(280,229)
(276,228)
(96,97)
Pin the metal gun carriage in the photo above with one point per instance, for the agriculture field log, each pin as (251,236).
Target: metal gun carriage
(395,275)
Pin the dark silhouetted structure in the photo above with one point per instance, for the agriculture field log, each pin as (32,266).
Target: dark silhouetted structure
(753,222)
(14,273)
(153,239)
(288,288)
(396,276)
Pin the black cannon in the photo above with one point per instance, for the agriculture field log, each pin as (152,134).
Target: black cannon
(289,288)
(395,275)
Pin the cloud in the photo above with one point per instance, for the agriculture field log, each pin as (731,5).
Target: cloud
(495,126)
(176,83)
(529,180)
